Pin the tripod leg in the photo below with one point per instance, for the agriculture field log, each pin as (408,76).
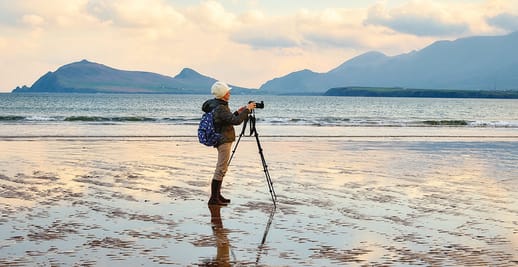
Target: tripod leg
(234,150)
(237,143)
(265,168)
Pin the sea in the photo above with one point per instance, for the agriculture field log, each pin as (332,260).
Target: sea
(169,115)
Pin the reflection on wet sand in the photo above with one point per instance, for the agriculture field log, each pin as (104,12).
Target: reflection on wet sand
(260,249)
(222,242)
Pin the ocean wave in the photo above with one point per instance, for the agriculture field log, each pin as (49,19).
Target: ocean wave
(276,121)
(387,122)
(102,119)
(446,122)
(14,118)
(11,118)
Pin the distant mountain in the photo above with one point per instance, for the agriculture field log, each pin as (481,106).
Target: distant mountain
(89,77)
(474,63)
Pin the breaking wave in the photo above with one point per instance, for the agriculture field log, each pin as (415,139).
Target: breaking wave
(278,121)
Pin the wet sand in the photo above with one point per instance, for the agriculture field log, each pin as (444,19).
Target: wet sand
(341,201)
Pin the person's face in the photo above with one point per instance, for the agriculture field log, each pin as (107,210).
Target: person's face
(227,96)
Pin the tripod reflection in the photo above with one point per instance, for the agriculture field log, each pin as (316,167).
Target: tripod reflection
(260,249)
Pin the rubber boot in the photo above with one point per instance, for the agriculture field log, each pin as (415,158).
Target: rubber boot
(214,194)
(224,200)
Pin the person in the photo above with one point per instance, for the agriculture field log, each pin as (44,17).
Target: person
(224,121)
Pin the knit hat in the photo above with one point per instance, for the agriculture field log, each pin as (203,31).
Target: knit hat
(219,89)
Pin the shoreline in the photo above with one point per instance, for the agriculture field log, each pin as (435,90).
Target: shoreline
(421,93)
(142,130)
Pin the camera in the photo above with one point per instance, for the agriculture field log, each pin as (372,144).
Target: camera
(258,104)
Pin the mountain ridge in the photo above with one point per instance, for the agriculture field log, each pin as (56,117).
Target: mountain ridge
(476,63)
(471,63)
(89,77)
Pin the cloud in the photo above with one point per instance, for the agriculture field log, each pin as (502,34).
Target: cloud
(258,31)
(101,9)
(419,18)
(309,29)
(334,40)
(33,20)
(265,40)
(338,29)
(211,16)
(504,21)
(331,28)
(135,13)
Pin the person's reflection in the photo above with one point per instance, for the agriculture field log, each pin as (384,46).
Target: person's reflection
(221,234)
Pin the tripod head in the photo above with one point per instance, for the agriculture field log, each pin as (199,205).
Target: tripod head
(249,120)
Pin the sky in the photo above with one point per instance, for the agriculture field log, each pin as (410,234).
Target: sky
(241,42)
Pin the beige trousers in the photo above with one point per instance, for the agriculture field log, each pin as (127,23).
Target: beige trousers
(223,157)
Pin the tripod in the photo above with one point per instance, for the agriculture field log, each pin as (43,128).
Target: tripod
(253,131)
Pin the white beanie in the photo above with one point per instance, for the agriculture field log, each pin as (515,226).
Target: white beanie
(219,89)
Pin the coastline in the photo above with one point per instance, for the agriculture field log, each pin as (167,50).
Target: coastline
(158,131)
(421,93)
(349,200)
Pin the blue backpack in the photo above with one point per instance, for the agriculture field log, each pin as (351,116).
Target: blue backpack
(207,134)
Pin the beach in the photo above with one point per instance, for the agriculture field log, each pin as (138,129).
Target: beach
(355,201)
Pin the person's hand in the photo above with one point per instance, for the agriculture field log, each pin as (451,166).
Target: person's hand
(250,106)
